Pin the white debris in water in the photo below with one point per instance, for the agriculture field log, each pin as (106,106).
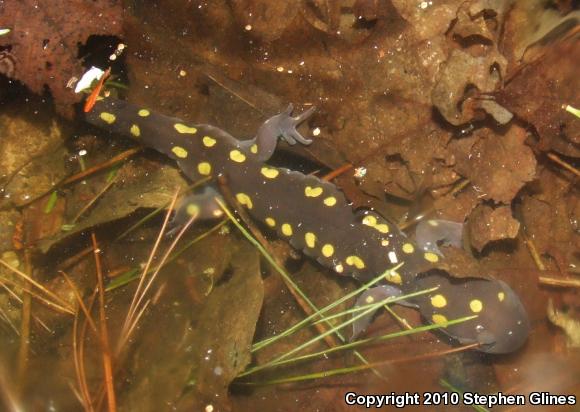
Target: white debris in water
(94,73)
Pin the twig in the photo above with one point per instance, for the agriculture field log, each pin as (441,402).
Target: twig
(107,363)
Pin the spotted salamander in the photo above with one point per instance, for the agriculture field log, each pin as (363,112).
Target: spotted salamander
(314,216)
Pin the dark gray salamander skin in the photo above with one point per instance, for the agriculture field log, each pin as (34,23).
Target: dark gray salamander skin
(315,217)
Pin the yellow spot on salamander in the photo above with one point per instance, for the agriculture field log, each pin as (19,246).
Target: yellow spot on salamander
(475,305)
(269,172)
(327,250)
(339,268)
(143,113)
(408,248)
(369,299)
(385,242)
(237,156)
(254,148)
(393,277)
(431,257)
(179,152)
(270,222)
(372,221)
(192,209)
(204,168)
(108,117)
(208,141)
(355,261)
(183,129)
(312,191)
(439,319)
(330,201)
(244,199)
(135,131)
(501,296)
(287,229)
(369,220)
(438,301)
(383,228)
(310,239)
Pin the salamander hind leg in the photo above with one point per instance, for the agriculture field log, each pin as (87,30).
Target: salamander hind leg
(365,301)
(434,232)
(200,205)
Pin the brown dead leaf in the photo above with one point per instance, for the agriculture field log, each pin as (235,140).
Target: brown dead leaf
(44,39)
(487,224)
(458,74)
(498,166)
(225,331)
(540,89)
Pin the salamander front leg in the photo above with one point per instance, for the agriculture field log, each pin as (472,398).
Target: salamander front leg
(283,126)
(432,233)
(368,297)
(202,205)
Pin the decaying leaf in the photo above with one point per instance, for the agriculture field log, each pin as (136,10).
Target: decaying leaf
(498,166)
(225,332)
(538,92)
(44,38)
(32,157)
(487,224)
(150,191)
(460,72)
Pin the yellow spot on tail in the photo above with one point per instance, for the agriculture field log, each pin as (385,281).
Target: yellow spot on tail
(355,261)
(327,250)
(244,199)
(270,222)
(237,156)
(369,299)
(143,112)
(204,168)
(438,319)
(383,228)
(369,220)
(108,117)
(330,201)
(287,229)
(269,172)
(208,141)
(408,248)
(438,301)
(431,257)
(310,239)
(501,296)
(135,131)
(254,148)
(475,305)
(312,191)
(192,209)
(179,152)
(394,277)
(385,242)
(183,129)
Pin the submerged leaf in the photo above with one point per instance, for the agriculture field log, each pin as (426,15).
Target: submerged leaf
(44,40)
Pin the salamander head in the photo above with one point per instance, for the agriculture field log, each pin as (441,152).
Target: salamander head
(502,324)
